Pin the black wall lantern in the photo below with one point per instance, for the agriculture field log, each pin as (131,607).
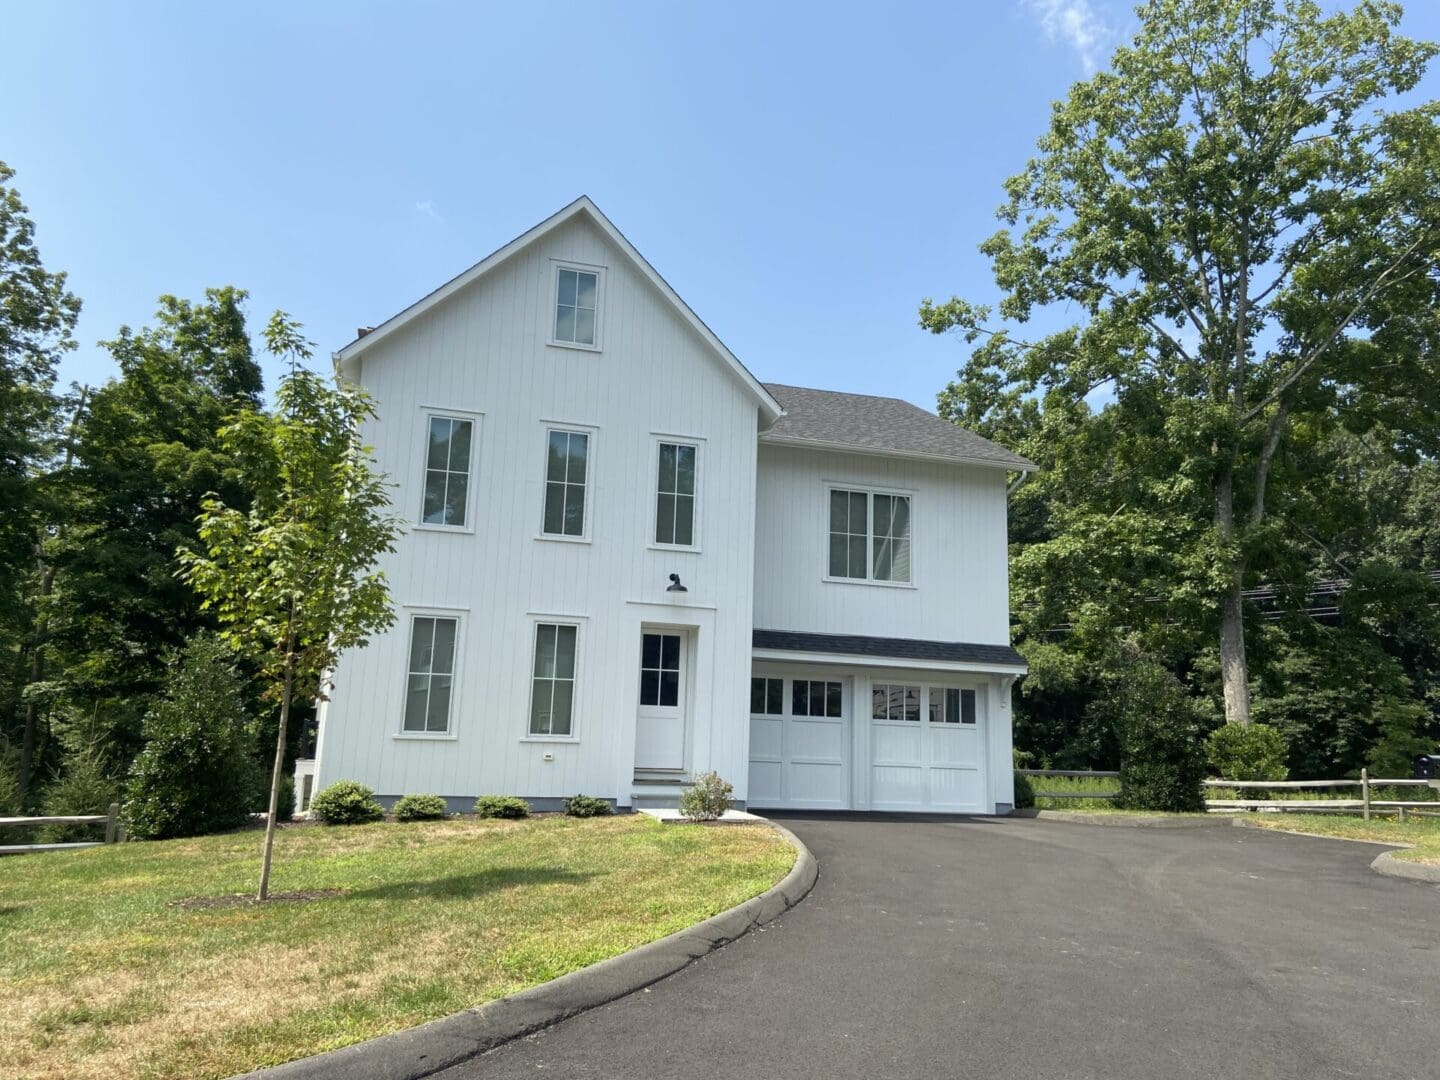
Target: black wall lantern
(675,585)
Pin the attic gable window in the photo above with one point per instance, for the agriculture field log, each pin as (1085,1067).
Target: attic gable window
(577,302)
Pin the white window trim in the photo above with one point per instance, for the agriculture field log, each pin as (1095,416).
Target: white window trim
(556,265)
(477,422)
(593,431)
(536,620)
(413,611)
(870,492)
(698,443)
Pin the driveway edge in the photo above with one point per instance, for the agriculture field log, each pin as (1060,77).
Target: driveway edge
(1124,821)
(440,1044)
(1386,863)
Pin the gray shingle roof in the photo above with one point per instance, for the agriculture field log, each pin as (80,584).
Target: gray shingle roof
(879,425)
(895,648)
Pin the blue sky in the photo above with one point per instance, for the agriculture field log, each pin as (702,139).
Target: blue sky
(802,174)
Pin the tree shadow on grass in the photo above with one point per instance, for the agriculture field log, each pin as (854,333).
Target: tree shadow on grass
(470,886)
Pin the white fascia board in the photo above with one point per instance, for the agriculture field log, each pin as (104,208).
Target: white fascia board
(824,659)
(769,408)
(880,451)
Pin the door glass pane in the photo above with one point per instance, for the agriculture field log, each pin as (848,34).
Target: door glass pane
(669,688)
(832,699)
(649,687)
(800,698)
(967,706)
(775,696)
(650,651)
(757,696)
(670,651)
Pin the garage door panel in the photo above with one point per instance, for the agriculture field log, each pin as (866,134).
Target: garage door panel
(767,736)
(894,743)
(955,789)
(898,785)
(767,780)
(955,747)
(816,740)
(819,783)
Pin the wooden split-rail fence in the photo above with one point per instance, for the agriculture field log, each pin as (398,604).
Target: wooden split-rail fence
(1366,804)
(114,830)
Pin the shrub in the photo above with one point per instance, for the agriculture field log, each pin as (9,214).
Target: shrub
(707,798)
(1024,792)
(1253,752)
(285,805)
(196,773)
(501,806)
(587,806)
(420,808)
(85,787)
(1401,723)
(346,802)
(9,790)
(1158,727)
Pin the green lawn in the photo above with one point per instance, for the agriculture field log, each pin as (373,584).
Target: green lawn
(101,975)
(1074,785)
(1422,833)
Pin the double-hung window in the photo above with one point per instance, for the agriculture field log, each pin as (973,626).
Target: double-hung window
(552,684)
(566,472)
(447,471)
(577,301)
(869,536)
(675,495)
(431,675)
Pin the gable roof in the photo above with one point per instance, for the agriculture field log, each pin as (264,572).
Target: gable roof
(769,407)
(859,423)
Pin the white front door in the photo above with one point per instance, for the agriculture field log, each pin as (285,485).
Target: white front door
(660,721)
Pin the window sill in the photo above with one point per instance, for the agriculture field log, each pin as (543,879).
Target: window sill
(869,581)
(550,739)
(581,346)
(425,526)
(562,539)
(422,736)
(683,549)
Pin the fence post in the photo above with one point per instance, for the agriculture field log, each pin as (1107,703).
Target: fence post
(112,819)
(1365,791)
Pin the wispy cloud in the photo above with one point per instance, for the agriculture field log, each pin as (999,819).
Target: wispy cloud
(1075,23)
(427,208)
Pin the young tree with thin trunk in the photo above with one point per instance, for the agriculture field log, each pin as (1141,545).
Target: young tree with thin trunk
(293,579)
(1251,245)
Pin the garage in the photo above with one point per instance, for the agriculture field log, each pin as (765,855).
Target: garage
(921,744)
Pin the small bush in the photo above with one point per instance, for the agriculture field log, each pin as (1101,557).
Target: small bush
(1247,752)
(501,806)
(346,802)
(196,773)
(587,806)
(1024,792)
(420,808)
(707,798)
(84,788)
(285,805)
(9,790)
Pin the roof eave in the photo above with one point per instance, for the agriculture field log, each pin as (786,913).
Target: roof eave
(1016,464)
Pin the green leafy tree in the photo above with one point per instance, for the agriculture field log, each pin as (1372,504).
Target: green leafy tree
(37,320)
(292,577)
(197,773)
(146,456)
(1250,242)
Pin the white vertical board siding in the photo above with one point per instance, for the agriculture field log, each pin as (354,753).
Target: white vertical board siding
(958,544)
(485,351)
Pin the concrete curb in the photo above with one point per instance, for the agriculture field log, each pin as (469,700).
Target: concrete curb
(1386,863)
(425,1050)
(1124,821)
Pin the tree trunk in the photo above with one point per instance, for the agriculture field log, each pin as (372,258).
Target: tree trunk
(1234,671)
(275,776)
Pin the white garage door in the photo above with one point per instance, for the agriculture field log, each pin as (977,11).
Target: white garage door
(799,743)
(927,751)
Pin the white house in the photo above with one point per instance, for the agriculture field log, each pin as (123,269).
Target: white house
(629,561)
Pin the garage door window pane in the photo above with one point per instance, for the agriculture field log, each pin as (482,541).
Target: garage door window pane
(815,698)
(895,702)
(766,696)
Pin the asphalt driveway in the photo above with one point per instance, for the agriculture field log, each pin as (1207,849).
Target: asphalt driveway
(1041,950)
